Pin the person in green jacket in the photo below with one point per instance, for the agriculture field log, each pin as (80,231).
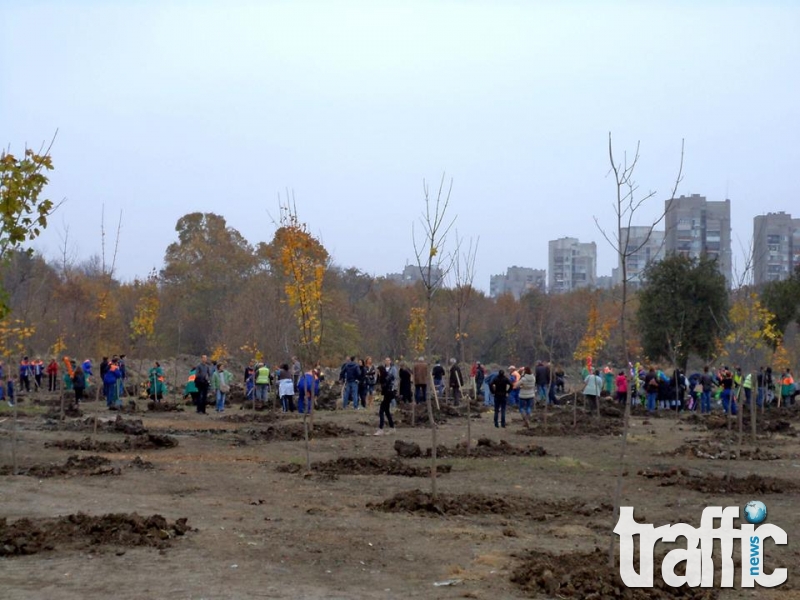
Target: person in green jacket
(155,382)
(221,385)
(190,389)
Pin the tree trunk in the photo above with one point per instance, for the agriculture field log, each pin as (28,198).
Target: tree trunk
(740,411)
(305,433)
(14,438)
(469,413)
(753,413)
(730,437)
(433,448)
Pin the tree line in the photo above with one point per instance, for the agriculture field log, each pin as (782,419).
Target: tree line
(219,293)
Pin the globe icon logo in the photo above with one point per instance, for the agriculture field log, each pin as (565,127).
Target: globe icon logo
(755,512)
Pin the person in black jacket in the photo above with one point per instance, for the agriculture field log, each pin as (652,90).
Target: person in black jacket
(500,388)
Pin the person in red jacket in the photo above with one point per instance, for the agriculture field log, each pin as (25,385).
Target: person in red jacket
(622,388)
(52,375)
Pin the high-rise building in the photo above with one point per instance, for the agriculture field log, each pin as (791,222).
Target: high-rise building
(776,247)
(572,265)
(412,274)
(696,227)
(645,245)
(518,281)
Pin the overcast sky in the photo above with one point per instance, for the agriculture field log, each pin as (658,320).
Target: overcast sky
(165,108)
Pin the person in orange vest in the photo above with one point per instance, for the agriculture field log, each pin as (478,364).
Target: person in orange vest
(190,389)
(788,388)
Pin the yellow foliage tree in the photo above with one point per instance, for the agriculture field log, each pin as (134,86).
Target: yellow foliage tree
(303,261)
(418,330)
(751,328)
(596,336)
(13,333)
(143,325)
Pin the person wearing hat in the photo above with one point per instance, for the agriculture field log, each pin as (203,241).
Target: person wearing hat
(456,381)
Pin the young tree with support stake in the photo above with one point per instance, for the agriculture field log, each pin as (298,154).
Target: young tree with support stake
(625,206)
(434,264)
(304,261)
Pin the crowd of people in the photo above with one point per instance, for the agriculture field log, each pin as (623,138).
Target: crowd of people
(75,378)
(362,380)
(703,390)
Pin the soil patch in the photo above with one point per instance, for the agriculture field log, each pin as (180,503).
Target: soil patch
(419,414)
(139,463)
(150,441)
(768,423)
(715,484)
(486,448)
(366,465)
(75,465)
(422,503)
(118,425)
(265,417)
(587,575)
(72,411)
(29,536)
(295,431)
(712,450)
(560,423)
(162,406)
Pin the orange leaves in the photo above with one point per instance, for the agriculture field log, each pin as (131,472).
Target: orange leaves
(303,261)
(596,336)
(13,333)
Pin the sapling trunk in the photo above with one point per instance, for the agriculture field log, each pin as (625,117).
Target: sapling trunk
(14,438)
(305,433)
(753,413)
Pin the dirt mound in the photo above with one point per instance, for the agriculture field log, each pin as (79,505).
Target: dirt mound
(150,441)
(72,411)
(267,417)
(486,448)
(75,465)
(118,425)
(587,575)
(164,406)
(560,423)
(365,466)
(407,449)
(139,463)
(765,424)
(708,449)
(419,413)
(422,503)
(715,484)
(295,431)
(28,536)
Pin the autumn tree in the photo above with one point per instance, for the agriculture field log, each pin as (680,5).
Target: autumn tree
(23,216)
(303,261)
(202,271)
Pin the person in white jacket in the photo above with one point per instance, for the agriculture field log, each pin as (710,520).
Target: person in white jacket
(594,385)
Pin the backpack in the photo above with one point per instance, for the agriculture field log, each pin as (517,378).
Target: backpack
(224,386)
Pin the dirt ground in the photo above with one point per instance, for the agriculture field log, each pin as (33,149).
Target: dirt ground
(362,524)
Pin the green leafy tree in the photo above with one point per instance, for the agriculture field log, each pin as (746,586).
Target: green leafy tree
(23,214)
(682,308)
(202,271)
(782,299)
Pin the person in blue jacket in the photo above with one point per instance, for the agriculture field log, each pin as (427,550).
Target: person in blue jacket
(305,384)
(111,385)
